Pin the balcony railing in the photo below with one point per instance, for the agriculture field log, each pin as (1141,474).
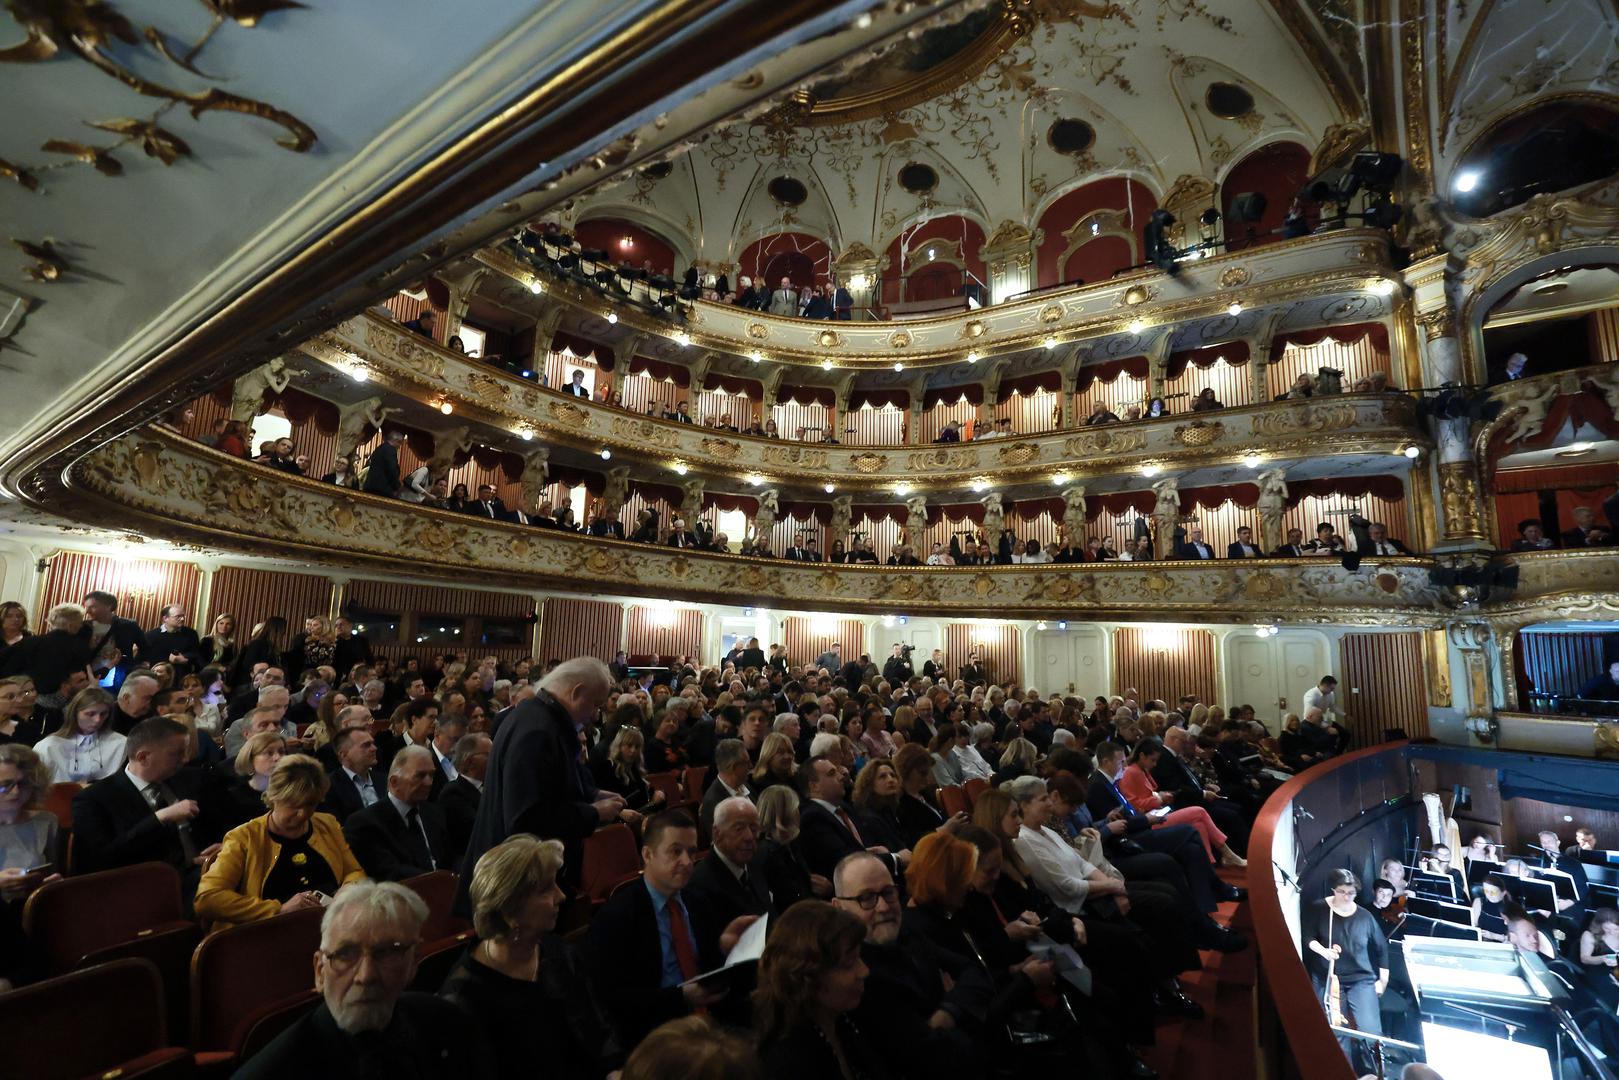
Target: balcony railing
(1277,432)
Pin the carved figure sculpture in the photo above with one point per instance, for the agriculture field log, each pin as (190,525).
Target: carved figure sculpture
(764,519)
(1073,515)
(446,445)
(994,520)
(247,396)
(536,471)
(1166,514)
(616,491)
(916,519)
(691,502)
(842,516)
(1272,501)
(352,420)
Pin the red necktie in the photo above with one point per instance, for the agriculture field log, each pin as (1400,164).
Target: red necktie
(843,816)
(685,955)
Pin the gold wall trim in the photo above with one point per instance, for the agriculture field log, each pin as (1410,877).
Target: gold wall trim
(163,485)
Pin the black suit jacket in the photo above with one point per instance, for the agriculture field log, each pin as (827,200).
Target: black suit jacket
(343,797)
(573,389)
(160,643)
(1234,551)
(1185,549)
(426,1038)
(825,840)
(377,836)
(459,801)
(113,826)
(1101,801)
(1173,774)
(494,509)
(382,471)
(535,784)
(625,959)
(1370,546)
(722,891)
(1288,551)
(126,635)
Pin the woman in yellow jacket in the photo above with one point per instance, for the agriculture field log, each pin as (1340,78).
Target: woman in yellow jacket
(288,859)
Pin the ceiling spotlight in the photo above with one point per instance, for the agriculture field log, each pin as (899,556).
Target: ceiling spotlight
(898,366)
(1466,181)
(683,339)
(1136,326)
(446,408)
(607,454)
(1252,460)
(526,435)
(1051,343)
(756,356)
(864,21)
(536,287)
(756,480)
(1041,625)
(930,253)
(681,468)
(1382,287)
(359,374)
(972,358)
(902,489)
(612,317)
(888,621)
(1151,470)
(1413,452)
(1234,310)
(1060,478)
(827,364)
(980,485)
(1062,624)
(830,488)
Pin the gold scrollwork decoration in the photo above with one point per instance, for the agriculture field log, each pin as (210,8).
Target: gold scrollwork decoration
(723,449)
(941,459)
(575,417)
(870,463)
(758,331)
(1315,418)
(829,339)
(1235,276)
(1051,314)
(1018,454)
(899,339)
(1104,442)
(795,455)
(488,389)
(1200,432)
(973,329)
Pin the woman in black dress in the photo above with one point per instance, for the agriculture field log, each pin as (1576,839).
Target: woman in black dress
(876,800)
(918,813)
(521,982)
(811,977)
(623,773)
(263,647)
(779,859)
(459,498)
(1345,944)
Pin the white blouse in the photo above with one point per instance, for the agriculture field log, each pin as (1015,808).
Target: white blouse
(82,758)
(1056,867)
(970,763)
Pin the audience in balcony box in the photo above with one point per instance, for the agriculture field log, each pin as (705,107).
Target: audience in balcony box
(1303,387)
(784,300)
(771,431)
(1586,532)
(1193,546)
(951,432)
(1156,408)
(382,476)
(1379,542)
(1326,542)
(460,499)
(1532,536)
(345,472)
(575,386)
(1294,548)
(818,303)
(1101,414)
(425,324)
(1243,546)
(1206,401)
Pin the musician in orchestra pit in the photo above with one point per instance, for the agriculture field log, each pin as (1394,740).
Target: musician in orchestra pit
(1346,944)
(1440,864)
(1553,857)
(1384,907)
(1393,872)
(1604,687)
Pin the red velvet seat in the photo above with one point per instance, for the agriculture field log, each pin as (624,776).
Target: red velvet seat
(59,801)
(106,1020)
(669,784)
(953,801)
(438,890)
(611,858)
(974,788)
(239,971)
(70,919)
(692,780)
(271,1020)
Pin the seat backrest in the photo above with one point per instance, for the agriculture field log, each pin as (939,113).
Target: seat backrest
(974,788)
(693,782)
(610,858)
(241,969)
(953,801)
(59,801)
(266,1023)
(438,890)
(48,1020)
(75,916)
(669,784)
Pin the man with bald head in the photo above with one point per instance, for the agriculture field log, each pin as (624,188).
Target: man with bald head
(535,783)
(723,879)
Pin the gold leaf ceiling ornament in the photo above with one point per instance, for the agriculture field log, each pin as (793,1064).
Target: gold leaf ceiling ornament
(49,265)
(166,146)
(28,180)
(248,12)
(97,157)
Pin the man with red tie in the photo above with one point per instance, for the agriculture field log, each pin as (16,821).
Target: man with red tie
(653,937)
(827,830)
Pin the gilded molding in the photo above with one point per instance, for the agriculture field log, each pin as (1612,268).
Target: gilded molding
(166,485)
(1460,501)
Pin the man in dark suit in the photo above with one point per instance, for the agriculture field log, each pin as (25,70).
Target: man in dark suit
(536,783)
(1294,548)
(654,936)
(1586,532)
(609,527)
(827,830)
(1244,547)
(680,536)
(731,765)
(367,1024)
(382,476)
(723,879)
(575,386)
(682,413)
(1193,547)
(175,642)
(351,648)
(424,324)
(487,504)
(401,835)
(797,553)
(1174,773)
(116,643)
(1379,542)
(447,731)
(357,783)
(147,811)
(460,797)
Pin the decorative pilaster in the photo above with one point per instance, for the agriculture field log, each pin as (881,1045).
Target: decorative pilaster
(1009,258)
(1158,362)
(859,269)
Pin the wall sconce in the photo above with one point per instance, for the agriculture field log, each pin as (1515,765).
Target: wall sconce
(1159,639)
(626,242)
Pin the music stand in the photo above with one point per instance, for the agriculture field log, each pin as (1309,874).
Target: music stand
(1533,895)
(1479,869)
(1440,910)
(1434,886)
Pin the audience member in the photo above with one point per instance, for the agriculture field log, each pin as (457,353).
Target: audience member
(401,835)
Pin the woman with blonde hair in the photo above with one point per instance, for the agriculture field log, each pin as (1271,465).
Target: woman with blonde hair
(777,764)
(324,729)
(313,648)
(288,859)
(1020,755)
(521,982)
(779,858)
(13,625)
(85,748)
(255,763)
(219,648)
(624,773)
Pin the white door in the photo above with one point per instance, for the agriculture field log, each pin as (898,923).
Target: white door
(1069,661)
(1272,673)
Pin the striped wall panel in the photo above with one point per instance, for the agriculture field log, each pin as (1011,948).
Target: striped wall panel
(399,652)
(934,419)
(438,600)
(1561,663)
(1387,672)
(649,636)
(1230,383)
(790,416)
(254,595)
(807,637)
(1163,663)
(787,528)
(1356,360)
(874,427)
(1031,415)
(570,627)
(405,308)
(1605,335)
(143,586)
(736,409)
(559,369)
(204,411)
(999,648)
(1314,509)
(635,502)
(640,391)
(1118,396)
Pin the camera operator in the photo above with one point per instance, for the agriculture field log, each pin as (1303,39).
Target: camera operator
(898,670)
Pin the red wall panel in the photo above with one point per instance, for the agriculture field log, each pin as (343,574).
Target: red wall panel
(571,627)
(143,586)
(1164,664)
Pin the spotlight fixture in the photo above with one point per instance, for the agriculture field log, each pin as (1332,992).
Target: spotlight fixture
(898,366)
(830,488)
(1136,326)
(1234,310)
(972,358)
(980,485)
(756,480)
(1060,478)
(1252,460)
(1050,343)
(607,455)
(826,364)
(863,22)
(930,253)
(1041,625)
(446,408)
(1466,181)
(681,468)
(612,317)
(1062,624)
(526,435)
(1381,287)
(1413,451)
(536,287)
(683,339)
(756,356)
(1151,470)
(359,374)
(902,490)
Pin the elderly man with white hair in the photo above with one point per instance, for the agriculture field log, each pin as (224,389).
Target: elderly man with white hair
(402,834)
(367,1023)
(724,879)
(535,783)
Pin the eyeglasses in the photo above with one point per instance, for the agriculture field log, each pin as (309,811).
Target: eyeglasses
(868,900)
(8,786)
(389,953)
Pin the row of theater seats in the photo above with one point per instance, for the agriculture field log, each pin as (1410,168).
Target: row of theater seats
(162,999)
